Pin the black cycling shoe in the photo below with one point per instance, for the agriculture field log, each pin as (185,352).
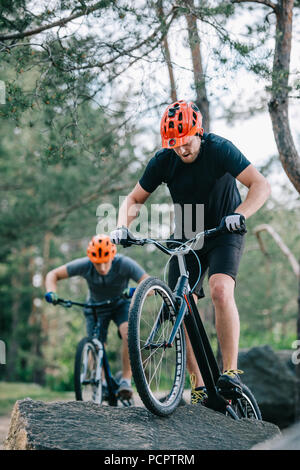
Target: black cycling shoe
(230,380)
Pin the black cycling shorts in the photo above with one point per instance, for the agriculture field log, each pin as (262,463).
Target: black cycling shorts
(221,255)
(118,314)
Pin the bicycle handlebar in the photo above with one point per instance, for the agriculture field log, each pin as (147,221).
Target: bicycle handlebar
(131,240)
(70,303)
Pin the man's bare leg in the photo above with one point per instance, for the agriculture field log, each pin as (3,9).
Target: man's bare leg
(227,318)
(123,328)
(227,325)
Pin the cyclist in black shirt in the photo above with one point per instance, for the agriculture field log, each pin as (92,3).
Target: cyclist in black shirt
(200,171)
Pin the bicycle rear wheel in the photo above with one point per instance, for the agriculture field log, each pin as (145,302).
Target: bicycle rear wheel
(245,405)
(158,370)
(88,387)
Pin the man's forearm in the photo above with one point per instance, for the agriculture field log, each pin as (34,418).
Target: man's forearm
(257,195)
(51,282)
(128,211)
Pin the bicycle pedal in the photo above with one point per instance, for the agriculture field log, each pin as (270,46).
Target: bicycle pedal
(126,403)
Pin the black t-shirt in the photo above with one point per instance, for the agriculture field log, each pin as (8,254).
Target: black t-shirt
(209,180)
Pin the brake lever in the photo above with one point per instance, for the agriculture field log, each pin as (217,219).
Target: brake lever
(127,243)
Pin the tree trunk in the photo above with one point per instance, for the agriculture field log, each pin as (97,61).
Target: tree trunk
(166,52)
(199,78)
(298,364)
(36,336)
(12,350)
(278,105)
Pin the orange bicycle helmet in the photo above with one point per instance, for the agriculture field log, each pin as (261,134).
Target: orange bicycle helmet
(101,249)
(180,120)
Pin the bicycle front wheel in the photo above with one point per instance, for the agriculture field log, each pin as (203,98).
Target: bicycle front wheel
(87,382)
(158,370)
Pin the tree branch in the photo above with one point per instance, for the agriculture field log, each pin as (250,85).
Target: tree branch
(61,22)
(199,77)
(166,51)
(285,250)
(128,52)
(267,3)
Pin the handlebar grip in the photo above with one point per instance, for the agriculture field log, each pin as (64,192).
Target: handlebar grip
(128,292)
(51,297)
(131,240)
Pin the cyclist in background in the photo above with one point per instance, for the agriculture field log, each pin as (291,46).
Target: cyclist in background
(200,170)
(107,275)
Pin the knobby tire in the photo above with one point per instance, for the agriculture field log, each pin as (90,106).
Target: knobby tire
(83,346)
(160,394)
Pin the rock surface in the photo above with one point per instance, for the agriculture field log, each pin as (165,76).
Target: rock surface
(82,425)
(272,382)
(289,440)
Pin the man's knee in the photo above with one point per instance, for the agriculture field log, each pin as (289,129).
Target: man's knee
(221,289)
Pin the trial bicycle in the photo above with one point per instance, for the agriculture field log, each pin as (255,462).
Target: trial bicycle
(91,362)
(157,341)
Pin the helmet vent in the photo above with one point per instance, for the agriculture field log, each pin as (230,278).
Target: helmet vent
(171,125)
(195,116)
(180,116)
(180,127)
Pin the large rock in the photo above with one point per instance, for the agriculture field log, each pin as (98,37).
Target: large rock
(289,440)
(273,383)
(82,425)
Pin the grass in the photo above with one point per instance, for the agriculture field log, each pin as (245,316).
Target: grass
(10,392)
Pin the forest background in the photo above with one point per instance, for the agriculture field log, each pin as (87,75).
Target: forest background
(83,86)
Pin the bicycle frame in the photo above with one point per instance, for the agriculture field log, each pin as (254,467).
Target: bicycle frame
(186,311)
(102,358)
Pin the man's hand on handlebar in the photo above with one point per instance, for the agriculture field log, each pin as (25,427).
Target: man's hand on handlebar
(51,297)
(128,292)
(234,223)
(120,236)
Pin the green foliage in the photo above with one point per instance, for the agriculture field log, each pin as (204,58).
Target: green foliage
(58,162)
(10,392)
(63,152)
